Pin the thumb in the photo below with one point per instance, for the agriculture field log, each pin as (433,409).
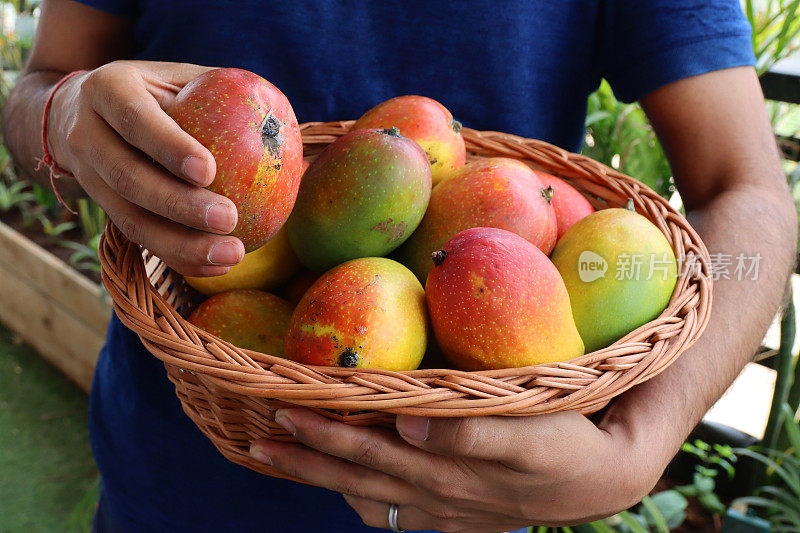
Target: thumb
(521,443)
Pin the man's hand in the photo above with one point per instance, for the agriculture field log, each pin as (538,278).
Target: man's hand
(483,474)
(108,127)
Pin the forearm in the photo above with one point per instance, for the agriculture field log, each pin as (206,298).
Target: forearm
(22,129)
(747,221)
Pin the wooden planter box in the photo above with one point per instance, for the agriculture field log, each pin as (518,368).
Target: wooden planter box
(52,307)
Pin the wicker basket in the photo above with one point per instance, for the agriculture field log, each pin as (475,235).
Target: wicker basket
(232,394)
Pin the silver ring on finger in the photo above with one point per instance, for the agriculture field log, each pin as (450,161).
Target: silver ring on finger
(393,509)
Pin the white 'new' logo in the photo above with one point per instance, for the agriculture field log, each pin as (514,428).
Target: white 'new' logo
(591,266)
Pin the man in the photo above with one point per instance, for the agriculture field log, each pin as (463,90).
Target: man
(516,66)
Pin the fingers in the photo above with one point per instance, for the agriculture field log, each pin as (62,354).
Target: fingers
(330,472)
(373,448)
(141,182)
(442,518)
(188,251)
(521,443)
(376,514)
(120,94)
(178,74)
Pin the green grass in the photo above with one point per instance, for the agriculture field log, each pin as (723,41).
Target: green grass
(48,479)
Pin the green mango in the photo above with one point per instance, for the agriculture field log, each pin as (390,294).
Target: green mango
(362,197)
(620,272)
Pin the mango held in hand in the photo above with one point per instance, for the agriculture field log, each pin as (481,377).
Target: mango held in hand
(367,313)
(249,319)
(496,301)
(250,128)
(426,121)
(620,272)
(497,193)
(362,197)
(264,269)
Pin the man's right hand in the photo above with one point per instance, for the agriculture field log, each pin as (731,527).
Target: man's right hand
(109,128)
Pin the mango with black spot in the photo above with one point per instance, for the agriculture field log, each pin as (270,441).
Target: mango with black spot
(250,128)
(362,197)
(366,313)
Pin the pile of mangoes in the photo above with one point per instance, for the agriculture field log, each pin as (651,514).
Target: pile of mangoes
(397,252)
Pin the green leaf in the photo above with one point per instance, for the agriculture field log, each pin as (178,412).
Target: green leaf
(689,491)
(771,506)
(790,478)
(783,364)
(710,501)
(601,527)
(632,523)
(782,495)
(672,505)
(725,451)
(703,481)
(787,123)
(786,28)
(596,117)
(791,427)
(653,514)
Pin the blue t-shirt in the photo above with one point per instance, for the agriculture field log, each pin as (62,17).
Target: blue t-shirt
(519,66)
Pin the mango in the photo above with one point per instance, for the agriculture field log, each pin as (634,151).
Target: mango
(361,197)
(264,268)
(249,127)
(249,319)
(366,313)
(569,205)
(497,192)
(496,301)
(619,270)
(426,121)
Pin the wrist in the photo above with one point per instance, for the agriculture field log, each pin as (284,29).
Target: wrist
(61,120)
(651,429)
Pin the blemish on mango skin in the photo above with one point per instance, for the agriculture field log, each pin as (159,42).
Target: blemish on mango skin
(348,358)
(271,137)
(370,313)
(478,284)
(393,230)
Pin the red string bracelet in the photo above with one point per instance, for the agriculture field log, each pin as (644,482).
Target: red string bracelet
(47,159)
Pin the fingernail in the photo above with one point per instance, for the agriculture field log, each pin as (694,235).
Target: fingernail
(196,169)
(225,253)
(285,422)
(259,455)
(220,217)
(413,427)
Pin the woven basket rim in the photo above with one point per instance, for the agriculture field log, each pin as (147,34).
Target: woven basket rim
(146,305)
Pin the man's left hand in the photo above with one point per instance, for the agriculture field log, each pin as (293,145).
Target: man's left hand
(480,474)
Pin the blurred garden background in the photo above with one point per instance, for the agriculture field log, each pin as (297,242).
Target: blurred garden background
(741,469)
